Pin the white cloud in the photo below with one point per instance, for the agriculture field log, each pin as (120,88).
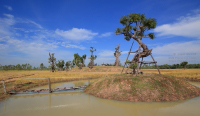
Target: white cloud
(106,53)
(106,34)
(125,52)
(187,26)
(73,46)
(105,60)
(8,7)
(76,34)
(5,24)
(36,24)
(178,47)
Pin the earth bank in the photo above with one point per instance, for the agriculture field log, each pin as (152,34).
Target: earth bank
(143,88)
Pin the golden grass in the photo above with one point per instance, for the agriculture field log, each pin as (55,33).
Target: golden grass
(191,73)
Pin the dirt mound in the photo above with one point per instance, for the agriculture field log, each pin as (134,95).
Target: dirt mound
(146,88)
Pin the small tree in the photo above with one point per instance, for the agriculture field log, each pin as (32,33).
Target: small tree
(92,57)
(117,55)
(84,58)
(1,67)
(42,66)
(68,64)
(29,67)
(52,61)
(18,67)
(60,64)
(184,64)
(78,60)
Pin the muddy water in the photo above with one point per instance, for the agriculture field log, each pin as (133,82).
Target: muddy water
(77,103)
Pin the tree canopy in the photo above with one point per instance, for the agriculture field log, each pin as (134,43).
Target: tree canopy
(52,61)
(135,25)
(184,63)
(60,64)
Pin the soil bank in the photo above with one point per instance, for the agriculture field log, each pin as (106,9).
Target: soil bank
(143,88)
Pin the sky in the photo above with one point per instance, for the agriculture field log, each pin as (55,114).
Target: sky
(30,29)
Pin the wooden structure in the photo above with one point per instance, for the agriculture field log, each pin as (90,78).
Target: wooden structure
(139,62)
(50,90)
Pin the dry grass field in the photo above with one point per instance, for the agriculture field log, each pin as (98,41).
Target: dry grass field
(96,72)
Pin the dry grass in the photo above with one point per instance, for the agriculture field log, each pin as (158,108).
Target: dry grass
(29,83)
(191,73)
(96,72)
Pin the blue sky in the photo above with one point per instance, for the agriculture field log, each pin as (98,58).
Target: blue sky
(30,29)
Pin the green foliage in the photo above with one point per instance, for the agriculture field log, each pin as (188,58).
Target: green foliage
(78,60)
(138,23)
(150,23)
(52,61)
(42,66)
(118,30)
(68,64)
(92,57)
(133,65)
(127,38)
(184,63)
(60,64)
(152,36)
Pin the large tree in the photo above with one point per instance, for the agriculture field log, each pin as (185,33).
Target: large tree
(52,61)
(184,64)
(135,27)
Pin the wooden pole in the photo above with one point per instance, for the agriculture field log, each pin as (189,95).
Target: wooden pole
(156,64)
(88,80)
(49,85)
(4,86)
(128,56)
(141,63)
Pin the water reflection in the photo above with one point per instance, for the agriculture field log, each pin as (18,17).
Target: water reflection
(76,103)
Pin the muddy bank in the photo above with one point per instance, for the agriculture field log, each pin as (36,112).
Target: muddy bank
(143,88)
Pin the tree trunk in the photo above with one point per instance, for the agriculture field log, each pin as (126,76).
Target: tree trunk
(116,62)
(146,52)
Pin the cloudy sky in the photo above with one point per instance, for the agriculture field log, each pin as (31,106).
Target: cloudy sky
(30,29)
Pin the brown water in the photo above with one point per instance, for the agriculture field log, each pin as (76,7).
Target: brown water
(78,103)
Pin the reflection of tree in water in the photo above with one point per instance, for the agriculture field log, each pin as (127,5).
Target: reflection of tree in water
(141,108)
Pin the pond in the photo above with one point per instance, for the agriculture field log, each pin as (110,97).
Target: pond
(78,103)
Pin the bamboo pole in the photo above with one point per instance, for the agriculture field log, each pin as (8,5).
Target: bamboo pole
(49,85)
(4,86)
(155,64)
(88,80)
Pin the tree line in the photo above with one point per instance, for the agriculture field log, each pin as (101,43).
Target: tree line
(78,61)
(173,66)
(26,66)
